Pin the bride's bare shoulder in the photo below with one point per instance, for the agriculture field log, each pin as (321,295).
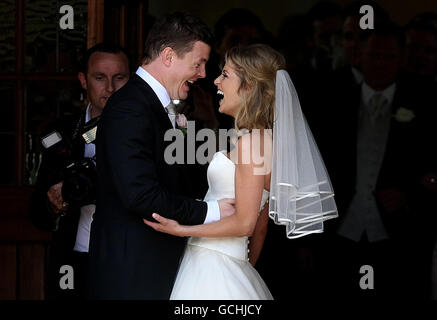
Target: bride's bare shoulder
(254,148)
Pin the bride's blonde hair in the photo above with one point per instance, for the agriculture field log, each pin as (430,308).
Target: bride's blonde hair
(256,66)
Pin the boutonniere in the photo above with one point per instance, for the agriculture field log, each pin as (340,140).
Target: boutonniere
(181,122)
(404,115)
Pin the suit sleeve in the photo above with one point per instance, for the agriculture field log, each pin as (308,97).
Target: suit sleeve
(126,139)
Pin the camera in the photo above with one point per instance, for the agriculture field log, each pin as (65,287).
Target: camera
(79,187)
(79,175)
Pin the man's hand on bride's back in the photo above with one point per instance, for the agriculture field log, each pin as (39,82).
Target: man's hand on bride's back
(165,225)
(227,207)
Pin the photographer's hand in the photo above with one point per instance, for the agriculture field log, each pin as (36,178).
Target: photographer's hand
(54,194)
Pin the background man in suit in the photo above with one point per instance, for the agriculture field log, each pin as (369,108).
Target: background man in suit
(128,260)
(375,153)
(104,70)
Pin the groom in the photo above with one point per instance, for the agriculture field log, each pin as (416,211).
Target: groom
(128,260)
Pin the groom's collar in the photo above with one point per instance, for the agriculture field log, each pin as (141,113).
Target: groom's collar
(156,86)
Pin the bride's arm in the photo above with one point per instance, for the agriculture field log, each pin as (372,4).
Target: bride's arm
(249,185)
(259,235)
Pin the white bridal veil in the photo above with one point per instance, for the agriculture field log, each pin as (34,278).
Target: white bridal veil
(301,195)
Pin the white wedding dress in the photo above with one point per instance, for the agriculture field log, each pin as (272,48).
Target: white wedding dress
(218,268)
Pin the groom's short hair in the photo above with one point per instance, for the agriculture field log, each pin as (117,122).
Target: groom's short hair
(178,31)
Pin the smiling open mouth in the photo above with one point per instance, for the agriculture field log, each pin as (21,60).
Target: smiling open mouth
(220,95)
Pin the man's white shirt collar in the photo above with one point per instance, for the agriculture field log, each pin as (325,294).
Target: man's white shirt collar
(358,76)
(367,93)
(156,86)
(88,113)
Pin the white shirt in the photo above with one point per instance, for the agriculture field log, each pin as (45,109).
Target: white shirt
(213,213)
(90,148)
(86,212)
(367,94)
(358,76)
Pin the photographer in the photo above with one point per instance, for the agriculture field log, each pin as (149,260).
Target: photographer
(63,201)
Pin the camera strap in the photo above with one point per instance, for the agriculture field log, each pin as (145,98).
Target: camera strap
(79,126)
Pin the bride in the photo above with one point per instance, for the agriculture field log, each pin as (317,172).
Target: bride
(276,160)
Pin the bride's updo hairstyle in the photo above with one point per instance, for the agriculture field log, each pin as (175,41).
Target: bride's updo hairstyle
(256,66)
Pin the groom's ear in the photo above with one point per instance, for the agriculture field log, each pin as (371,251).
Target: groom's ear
(167,56)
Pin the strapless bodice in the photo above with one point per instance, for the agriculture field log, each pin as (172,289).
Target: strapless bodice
(221,182)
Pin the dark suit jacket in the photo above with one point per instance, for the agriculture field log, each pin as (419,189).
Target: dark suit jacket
(128,259)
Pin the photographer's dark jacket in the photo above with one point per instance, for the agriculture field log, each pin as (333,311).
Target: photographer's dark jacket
(52,165)
(64,227)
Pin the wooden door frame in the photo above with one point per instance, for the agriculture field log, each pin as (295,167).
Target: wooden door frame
(96,10)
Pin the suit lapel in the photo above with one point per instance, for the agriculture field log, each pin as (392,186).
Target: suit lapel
(398,139)
(394,125)
(396,104)
(155,104)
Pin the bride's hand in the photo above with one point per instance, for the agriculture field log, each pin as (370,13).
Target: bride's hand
(165,225)
(227,207)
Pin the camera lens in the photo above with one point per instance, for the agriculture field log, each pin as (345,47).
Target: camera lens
(79,185)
